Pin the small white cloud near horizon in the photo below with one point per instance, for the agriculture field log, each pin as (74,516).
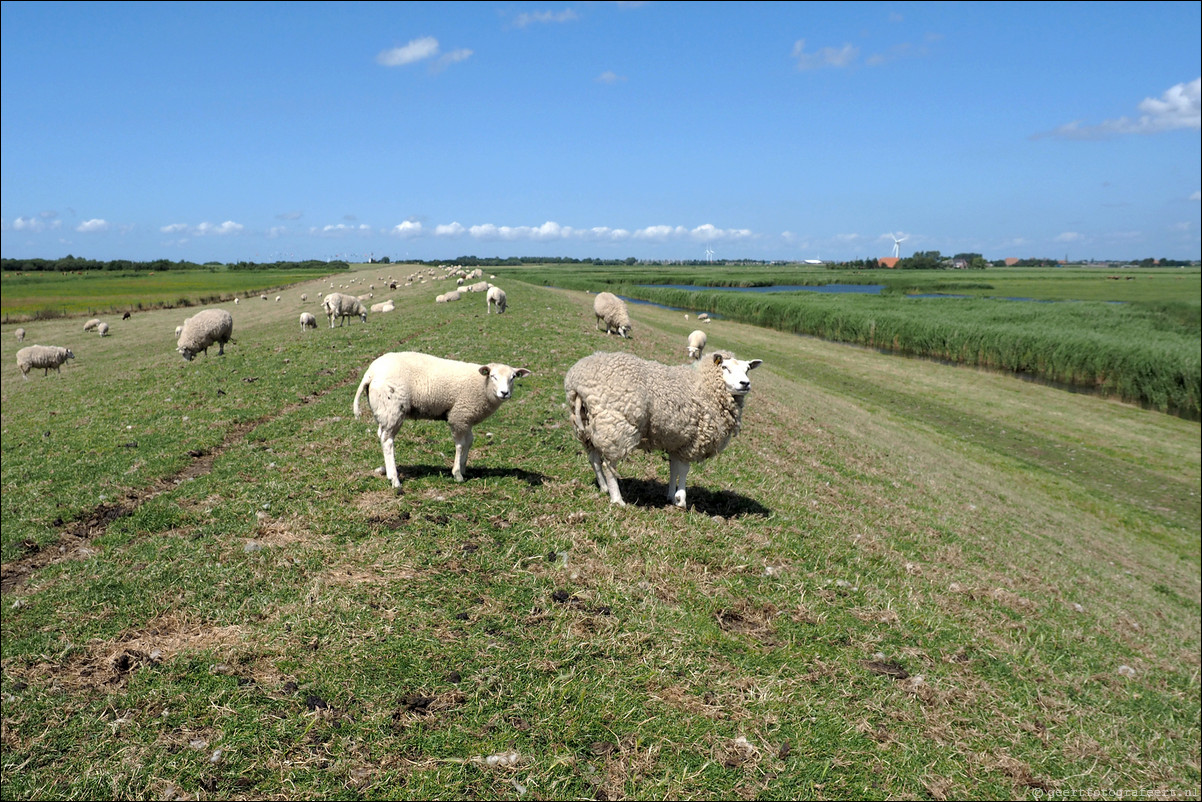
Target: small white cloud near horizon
(1069,236)
(92,226)
(35,224)
(409,228)
(609,77)
(826,57)
(1178,107)
(228,227)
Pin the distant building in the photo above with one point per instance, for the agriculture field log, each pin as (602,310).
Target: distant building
(1011,261)
(888,261)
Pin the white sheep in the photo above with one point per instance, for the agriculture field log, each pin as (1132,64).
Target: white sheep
(179,329)
(204,329)
(618,402)
(611,310)
(448,297)
(414,385)
(277,299)
(103,329)
(696,345)
(304,297)
(263,297)
(479,286)
(496,295)
(338,305)
(235,301)
(307,321)
(20,334)
(42,356)
(383,306)
(91,324)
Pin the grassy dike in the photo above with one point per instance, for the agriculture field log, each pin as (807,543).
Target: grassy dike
(902,579)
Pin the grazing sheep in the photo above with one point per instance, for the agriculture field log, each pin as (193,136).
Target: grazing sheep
(338,305)
(611,310)
(202,330)
(103,329)
(696,345)
(703,317)
(235,301)
(91,324)
(20,335)
(414,385)
(496,295)
(179,329)
(304,297)
(277,299)
(263,297)
(307,321)
(42,356)
(618,402)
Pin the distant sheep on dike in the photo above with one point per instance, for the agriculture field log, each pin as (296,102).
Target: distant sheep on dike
(618,402)
(424,387)
(696,346)
(611,310)
(42,356)
(307,321)
(20,335)
(204,329)
(91,324)
(496,295)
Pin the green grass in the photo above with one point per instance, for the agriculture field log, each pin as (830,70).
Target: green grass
(269,620)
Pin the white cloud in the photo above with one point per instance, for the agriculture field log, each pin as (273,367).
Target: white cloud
(1178,107)
(416,50)
(609,77)
(710,233)
(523,20)
(174,228)
(1197,196)
(660,232)
(228,227)
(92,226)
(409,228)
(455,56)
(276,231)
(826,57)
(449,230)
(36,224)
(1069,236)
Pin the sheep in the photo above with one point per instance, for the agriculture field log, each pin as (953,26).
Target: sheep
(479,286)
(611,310)
(263,297)
(126,316)
(235,301)
(424,387)
(103,329)
(448,297)
(277,299)
(179,329)
(304,297)
(202,330)
(338,305)
(383,306)
(307,321)
(618,402)
(42,356)
(20,335)
(496,295)
(91,324)
(696,345)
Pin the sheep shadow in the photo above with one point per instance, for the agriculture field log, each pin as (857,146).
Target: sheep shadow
(726,503)
(411,472)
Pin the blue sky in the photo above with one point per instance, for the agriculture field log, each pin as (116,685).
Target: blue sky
(264,131)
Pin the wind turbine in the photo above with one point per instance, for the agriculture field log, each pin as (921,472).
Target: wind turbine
(709,255)
(897,242)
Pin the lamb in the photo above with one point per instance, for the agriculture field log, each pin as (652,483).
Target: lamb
(202,330)
(696,345)
(611,310)
(307,321)
(338,305)
(103,329)
(91,324)
(618,402)
(496,295)
(42,356)
(415,385)
(20,335)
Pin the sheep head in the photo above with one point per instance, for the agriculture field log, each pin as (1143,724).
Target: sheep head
(734,372)
(501,378)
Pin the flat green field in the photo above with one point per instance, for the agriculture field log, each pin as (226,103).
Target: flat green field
(903,579)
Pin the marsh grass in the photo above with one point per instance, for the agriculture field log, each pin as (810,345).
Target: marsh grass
(902,579)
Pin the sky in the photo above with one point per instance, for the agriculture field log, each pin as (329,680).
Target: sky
(261,132)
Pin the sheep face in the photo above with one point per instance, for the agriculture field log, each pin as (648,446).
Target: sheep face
(734,372)
(501,379)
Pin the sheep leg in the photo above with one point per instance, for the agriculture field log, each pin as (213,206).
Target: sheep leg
(607,477)
(387,443)
(463,444)
(677,471)
(594,457)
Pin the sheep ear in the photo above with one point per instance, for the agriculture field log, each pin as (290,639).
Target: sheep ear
(521,373)
(755,363)
(717,359)
(484,370)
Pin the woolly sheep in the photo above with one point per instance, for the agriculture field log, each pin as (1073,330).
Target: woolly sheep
(304,297)
(202,330)
(618,402)
(263,297)
(496,295)
(338,305)
(383,306)
(103,329)
(415,385)
(479,286)
(696,345)
(448,297)
(42,356)
(179,328)
(611,310)
(20,335)
(307,321)
(91,324)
